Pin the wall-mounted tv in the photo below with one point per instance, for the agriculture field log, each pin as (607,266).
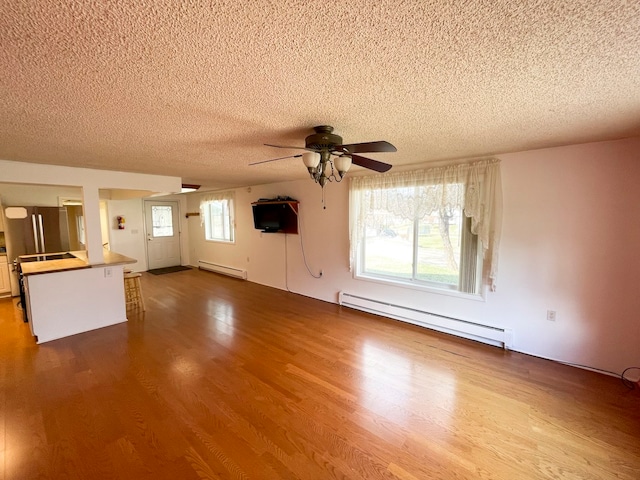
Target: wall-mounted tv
(275,216)
(268,216)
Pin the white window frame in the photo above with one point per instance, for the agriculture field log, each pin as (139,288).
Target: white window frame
(226,219)
(480,198)
(426,285)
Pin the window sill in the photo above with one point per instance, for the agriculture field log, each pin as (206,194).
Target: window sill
(476,297)
(224,242)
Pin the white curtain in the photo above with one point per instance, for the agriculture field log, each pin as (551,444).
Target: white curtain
(212,197)
(474,187)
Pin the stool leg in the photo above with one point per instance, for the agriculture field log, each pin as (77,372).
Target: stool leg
(128,293)
(133,292)
(139,292)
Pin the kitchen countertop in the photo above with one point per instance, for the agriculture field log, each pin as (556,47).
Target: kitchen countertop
(66,264)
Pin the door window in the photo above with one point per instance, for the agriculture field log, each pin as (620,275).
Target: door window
(162,220)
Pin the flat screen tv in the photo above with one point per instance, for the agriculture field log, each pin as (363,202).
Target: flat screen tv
(268,217)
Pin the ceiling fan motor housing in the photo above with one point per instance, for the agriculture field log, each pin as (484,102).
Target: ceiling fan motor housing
(323,139)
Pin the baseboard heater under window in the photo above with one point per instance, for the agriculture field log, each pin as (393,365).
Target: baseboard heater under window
(490,334)
(222,269)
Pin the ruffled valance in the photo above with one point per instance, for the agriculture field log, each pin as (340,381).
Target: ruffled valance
(212,197)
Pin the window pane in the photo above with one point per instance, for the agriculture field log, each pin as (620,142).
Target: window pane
(388,247)
(162,220)
(219,221)
(438,252)
(404,241)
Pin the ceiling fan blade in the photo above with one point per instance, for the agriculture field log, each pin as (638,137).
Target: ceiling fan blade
(274,159)
(370,163)
(285,146)
(367,147)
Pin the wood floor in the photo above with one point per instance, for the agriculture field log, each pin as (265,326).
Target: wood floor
(222,378)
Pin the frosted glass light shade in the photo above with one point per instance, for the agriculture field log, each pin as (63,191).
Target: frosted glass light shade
(311,159)
(342,164)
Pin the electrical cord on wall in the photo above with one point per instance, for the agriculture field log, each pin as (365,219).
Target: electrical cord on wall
(304,256)
(286,263)
(630,384)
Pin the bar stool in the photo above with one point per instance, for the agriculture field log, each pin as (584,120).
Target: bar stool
(133,291)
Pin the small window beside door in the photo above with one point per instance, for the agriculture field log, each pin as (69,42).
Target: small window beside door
(218,219)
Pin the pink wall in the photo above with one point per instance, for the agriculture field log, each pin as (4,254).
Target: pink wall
(570,228)
(569,231)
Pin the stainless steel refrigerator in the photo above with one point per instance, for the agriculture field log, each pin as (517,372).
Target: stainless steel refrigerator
(44,230)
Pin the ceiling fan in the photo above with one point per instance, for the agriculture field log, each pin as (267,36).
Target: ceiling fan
(323,144)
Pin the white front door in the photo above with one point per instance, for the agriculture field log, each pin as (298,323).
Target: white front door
(163,236)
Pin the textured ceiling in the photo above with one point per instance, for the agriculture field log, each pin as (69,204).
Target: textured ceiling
(194,89)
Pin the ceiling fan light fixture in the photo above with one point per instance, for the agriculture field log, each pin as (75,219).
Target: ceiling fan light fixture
(311,159)
(323,144)
(342,164)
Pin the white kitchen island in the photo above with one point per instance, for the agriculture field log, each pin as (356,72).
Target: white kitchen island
(70,296)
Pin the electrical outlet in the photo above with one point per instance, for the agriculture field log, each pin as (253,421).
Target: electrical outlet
(551,315)
(108,273)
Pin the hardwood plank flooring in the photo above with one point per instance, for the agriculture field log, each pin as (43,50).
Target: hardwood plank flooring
(225,379)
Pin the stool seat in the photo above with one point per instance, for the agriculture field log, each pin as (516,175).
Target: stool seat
(133,291)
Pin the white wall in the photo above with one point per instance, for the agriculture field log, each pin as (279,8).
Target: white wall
(132,240)
(569,232)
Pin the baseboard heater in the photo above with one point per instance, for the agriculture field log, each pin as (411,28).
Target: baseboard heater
(222,269)
(490,334)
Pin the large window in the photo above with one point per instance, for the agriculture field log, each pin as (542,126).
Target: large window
(433,248)
(428,228)
(216,212)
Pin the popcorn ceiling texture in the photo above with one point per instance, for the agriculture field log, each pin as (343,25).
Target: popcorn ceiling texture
(195,88)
